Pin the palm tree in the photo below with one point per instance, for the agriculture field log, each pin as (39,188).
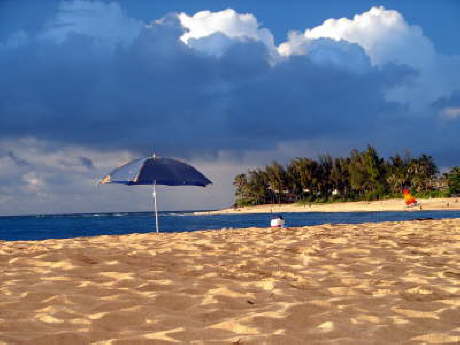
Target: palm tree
(367,173)
(276,178)
(241,188)
(258,187)
(294,179)
(397,173)
(324,182)
(356,171)
(304,172)
(340,176)
(375,169)
(422,170)
(453,180)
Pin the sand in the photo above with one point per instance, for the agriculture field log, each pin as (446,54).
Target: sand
(357,206)
(379,283)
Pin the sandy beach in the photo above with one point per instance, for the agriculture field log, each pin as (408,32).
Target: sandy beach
(378,283)
(432,204)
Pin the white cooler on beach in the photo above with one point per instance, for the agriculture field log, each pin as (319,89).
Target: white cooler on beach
(277,222)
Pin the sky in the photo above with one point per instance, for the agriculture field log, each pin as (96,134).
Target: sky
(223,85)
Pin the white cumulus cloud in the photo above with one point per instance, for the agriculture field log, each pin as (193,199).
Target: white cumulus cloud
(386,38)
(227,23)
(383,34)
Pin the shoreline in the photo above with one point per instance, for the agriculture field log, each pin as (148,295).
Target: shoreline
(384,283)
(432,204)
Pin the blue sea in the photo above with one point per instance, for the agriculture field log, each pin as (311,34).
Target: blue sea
(41,227)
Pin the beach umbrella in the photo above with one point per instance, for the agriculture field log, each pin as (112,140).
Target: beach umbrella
(155,171)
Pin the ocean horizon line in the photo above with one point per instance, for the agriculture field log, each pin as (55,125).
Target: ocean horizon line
(69,214)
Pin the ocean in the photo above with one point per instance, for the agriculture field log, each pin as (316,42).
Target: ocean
(41,227)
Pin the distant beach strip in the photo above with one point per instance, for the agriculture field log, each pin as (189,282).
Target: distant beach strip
(440,204)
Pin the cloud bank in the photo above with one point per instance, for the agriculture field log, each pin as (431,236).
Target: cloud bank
(213,80)
(387,38)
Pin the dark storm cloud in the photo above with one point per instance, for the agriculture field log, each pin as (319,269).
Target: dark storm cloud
(157,93)
(299,99)
(446,131)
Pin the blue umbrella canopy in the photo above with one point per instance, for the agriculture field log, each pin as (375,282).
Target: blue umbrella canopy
(156,170)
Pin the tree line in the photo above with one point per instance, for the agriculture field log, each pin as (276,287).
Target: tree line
(360,176)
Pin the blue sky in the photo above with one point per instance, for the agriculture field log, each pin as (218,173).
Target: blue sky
(439,19)
(226,85)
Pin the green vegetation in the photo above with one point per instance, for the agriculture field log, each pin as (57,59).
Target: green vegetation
(360,176)
(453,180)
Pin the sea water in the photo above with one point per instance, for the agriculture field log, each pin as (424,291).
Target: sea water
(41,227)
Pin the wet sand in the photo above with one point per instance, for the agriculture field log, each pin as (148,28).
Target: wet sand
(434,204)
(379,283)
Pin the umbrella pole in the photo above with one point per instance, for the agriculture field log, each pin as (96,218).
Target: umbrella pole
(155,203)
